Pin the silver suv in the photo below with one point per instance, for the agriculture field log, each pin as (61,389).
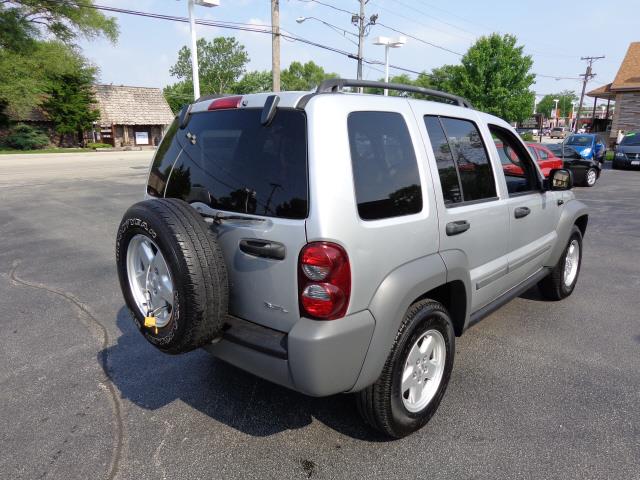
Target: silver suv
(339,242)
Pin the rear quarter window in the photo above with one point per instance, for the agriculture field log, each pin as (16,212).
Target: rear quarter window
(385,169)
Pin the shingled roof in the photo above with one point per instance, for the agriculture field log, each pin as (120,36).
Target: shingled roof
(123,105)
(628,77)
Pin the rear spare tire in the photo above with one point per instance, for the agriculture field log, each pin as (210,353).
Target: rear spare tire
(172,274)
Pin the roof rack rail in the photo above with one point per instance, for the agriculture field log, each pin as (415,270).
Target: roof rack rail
(337,84)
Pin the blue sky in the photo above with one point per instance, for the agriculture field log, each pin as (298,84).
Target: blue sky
(556,35)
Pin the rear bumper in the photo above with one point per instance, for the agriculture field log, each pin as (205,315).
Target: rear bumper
(318,358)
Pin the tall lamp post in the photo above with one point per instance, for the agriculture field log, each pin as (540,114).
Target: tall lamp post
(555,112)
(194,45)
(388,43)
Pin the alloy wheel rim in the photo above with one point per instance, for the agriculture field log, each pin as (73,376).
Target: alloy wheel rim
(591,177)
(423,370)
(571,263)
(150,279)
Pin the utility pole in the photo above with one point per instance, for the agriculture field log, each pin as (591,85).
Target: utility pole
(588,75)
(362,24)
(275,44)
(361,28)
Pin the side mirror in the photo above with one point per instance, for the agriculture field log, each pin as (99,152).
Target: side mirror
(560,179)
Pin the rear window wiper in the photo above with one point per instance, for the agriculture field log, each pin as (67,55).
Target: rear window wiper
(218,218)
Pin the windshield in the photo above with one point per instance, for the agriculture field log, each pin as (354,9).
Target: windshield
(231,162)
(579,140)
(631,140)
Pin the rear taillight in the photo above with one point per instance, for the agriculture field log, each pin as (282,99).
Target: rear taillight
(324,281)
(224,103)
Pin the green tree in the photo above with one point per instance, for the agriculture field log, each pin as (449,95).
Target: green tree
(25,77)
(566,99)
(495,76)
(254,82)
(403,78)
(22,22)
(178,94)
(70,102)
(222,61)
(300,76)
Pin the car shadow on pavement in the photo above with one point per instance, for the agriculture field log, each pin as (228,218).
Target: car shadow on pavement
(151,380)
(533,294)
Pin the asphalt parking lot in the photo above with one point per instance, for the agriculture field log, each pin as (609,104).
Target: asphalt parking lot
(539,390)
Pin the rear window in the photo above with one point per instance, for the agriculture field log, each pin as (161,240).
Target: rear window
(385,169)
(580,140)
(231,162)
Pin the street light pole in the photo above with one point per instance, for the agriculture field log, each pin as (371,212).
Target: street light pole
(194,54)
(555,112)
(194,43)
(388,43)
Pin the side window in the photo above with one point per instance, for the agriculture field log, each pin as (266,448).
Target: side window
(385,169)
(463,164)
(518,168)
(542,154)
(532,151)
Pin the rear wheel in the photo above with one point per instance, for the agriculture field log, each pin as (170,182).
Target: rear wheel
(415,375)
(590,177)
(172,274)
(562,280)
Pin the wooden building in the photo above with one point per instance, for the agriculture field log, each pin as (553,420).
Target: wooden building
(625,90)
(131,116)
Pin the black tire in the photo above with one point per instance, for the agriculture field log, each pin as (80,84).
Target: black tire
(381,404)
(553,287)
(585,182)
(197,269)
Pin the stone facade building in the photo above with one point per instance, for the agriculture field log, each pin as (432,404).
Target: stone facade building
(625,90)
(131,116)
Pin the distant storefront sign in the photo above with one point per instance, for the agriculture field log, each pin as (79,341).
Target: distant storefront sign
(142,138)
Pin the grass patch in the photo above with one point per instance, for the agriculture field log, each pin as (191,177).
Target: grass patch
(12,151)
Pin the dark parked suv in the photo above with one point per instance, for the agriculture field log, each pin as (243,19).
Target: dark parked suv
(628,152)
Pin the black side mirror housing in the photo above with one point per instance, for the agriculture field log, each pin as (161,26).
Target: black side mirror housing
(559,179)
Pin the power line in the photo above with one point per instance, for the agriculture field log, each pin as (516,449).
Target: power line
(329,5)
(419,39)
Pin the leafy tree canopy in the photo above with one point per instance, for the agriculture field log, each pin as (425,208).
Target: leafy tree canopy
(70,102)
(566,99)
(254,82)
(178,94)
(222,61)
(494,75)
(25,78)
(300,76)
(22,22)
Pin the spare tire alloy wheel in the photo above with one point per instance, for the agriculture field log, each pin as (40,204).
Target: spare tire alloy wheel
(149,279)
(172,274)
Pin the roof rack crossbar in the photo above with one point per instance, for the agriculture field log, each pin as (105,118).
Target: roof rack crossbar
(337,84)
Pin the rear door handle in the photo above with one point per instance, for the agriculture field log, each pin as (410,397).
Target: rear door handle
(458,227)
(263,248)
(521,212)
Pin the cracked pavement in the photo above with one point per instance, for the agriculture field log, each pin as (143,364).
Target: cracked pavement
(539,389)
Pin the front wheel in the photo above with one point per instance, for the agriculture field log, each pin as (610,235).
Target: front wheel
(415,375)
(562,280)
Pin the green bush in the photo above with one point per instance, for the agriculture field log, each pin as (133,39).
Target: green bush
(527,137)
(25,137)
(99,145)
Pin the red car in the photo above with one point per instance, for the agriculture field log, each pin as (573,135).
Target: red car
(547,161)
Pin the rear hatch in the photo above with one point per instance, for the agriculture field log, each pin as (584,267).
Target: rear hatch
(252,180)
